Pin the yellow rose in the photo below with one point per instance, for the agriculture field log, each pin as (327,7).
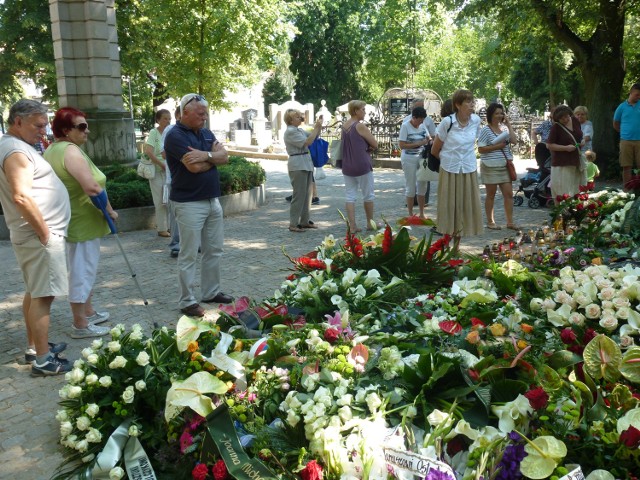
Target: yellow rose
(497,329)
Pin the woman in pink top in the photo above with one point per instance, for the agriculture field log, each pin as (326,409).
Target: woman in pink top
(357,166)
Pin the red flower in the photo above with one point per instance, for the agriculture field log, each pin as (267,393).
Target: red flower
(580,206)
(455,445)
(219,470)
(331,335)
(476,322)
(631,437)
(199,472)
(313,471)
(589,335)
(568,336)
(306,263)
(387,240)
(455,263)
(450,326)
(538,398)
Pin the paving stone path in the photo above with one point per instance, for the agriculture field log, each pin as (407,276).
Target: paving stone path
(253,265)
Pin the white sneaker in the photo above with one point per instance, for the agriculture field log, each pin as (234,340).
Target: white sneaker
(98,317)
(90,331)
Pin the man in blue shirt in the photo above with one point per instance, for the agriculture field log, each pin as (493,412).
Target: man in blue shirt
(193,154)
(626,121)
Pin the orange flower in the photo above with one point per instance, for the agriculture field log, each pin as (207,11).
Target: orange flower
(522,344)
(192,347)
(497,329)
(473,337)
(596,261)
(526,328)
(238,346)
(196,356)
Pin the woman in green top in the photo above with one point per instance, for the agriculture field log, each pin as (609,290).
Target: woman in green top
(82,180)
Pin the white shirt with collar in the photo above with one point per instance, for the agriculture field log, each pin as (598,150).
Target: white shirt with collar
(458,153)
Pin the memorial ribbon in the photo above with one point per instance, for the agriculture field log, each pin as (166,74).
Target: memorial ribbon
(222,433)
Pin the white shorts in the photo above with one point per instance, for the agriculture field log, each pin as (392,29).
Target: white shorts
(364,183)
(82,260)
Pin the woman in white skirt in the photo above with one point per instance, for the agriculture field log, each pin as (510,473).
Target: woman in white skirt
(459,210)
(493,145)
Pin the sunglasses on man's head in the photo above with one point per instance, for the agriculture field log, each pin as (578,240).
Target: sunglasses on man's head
(197,98)
(81,127)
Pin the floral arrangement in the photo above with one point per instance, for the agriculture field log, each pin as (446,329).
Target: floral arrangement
(379,357)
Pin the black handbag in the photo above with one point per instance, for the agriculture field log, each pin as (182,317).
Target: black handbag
(433,162)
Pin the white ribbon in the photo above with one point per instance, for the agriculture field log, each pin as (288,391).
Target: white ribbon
(136,460)
(575,474)
(221,360)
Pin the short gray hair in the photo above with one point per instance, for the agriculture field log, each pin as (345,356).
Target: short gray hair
(191,97)
(25,108)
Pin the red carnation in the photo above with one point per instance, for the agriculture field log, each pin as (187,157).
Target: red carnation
(567,336)
(331,335)
(589,335)
(313,471)
(538,398)
(631,437)
(219,470)
(580,206)
(199,472)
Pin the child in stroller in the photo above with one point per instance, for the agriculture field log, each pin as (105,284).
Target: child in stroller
(535,183)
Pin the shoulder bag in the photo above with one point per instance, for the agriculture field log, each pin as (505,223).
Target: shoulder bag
(146,170)
(433,162)
(511,168)
(335,151)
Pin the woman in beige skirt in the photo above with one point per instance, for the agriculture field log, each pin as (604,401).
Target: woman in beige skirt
(493,145)
(459,210)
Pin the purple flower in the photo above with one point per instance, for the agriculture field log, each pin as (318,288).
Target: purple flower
(510,463)
(435,474)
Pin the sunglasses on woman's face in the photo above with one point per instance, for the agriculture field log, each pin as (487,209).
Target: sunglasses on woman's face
(81,127)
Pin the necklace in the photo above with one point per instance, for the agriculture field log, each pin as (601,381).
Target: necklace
(460,124)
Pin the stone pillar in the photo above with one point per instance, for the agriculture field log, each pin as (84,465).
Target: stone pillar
(85,45)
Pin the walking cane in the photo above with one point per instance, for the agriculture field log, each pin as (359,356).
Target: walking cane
(100,201)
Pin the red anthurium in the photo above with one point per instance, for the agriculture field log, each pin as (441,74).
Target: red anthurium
(476,322)
(450,326)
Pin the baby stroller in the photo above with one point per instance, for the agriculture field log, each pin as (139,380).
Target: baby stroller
(535,183)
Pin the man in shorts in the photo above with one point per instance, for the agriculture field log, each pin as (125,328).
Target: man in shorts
(37,212)
(626,121)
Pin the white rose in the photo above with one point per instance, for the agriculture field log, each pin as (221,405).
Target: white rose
(105,381)
(626,341)
(96,344)
(345,413)
(607,293)
(609,323)
(70,441)
(140,385)
(592,311)
(548,304)
(576,319)
(118,362)
(86,352)
(116,473)
(128,395)
(373,402)
(74,391)
(76,375)
(568,284)
(94,435)
(92,359)
(91,379)
(133,431)
(345,400)
(65,429)
(142,359)
(64,392)
(292,418)
(88,458)
(92,410)
(114,346)
(117,331)
(136,333)
(623,313)
(82,446)
(620,302)
(62,416)
(607,304)
(78,363)
(83,423)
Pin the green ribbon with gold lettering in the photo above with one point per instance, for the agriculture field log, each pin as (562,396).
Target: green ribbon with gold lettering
(222,434)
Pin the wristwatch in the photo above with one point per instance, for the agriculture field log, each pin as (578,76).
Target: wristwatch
(210,155)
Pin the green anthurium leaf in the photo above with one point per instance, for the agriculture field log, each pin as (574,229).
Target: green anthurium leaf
(621,397)
(585,394)
(550,379)
(562,359)
(630,367)
(543,455)
(477,298)
(599,409)
(603,358)
(507,390)
(192,393)
(189,329)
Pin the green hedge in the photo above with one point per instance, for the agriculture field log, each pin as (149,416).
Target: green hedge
(127,190)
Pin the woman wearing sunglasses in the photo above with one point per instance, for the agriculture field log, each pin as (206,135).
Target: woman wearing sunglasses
(83,180)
